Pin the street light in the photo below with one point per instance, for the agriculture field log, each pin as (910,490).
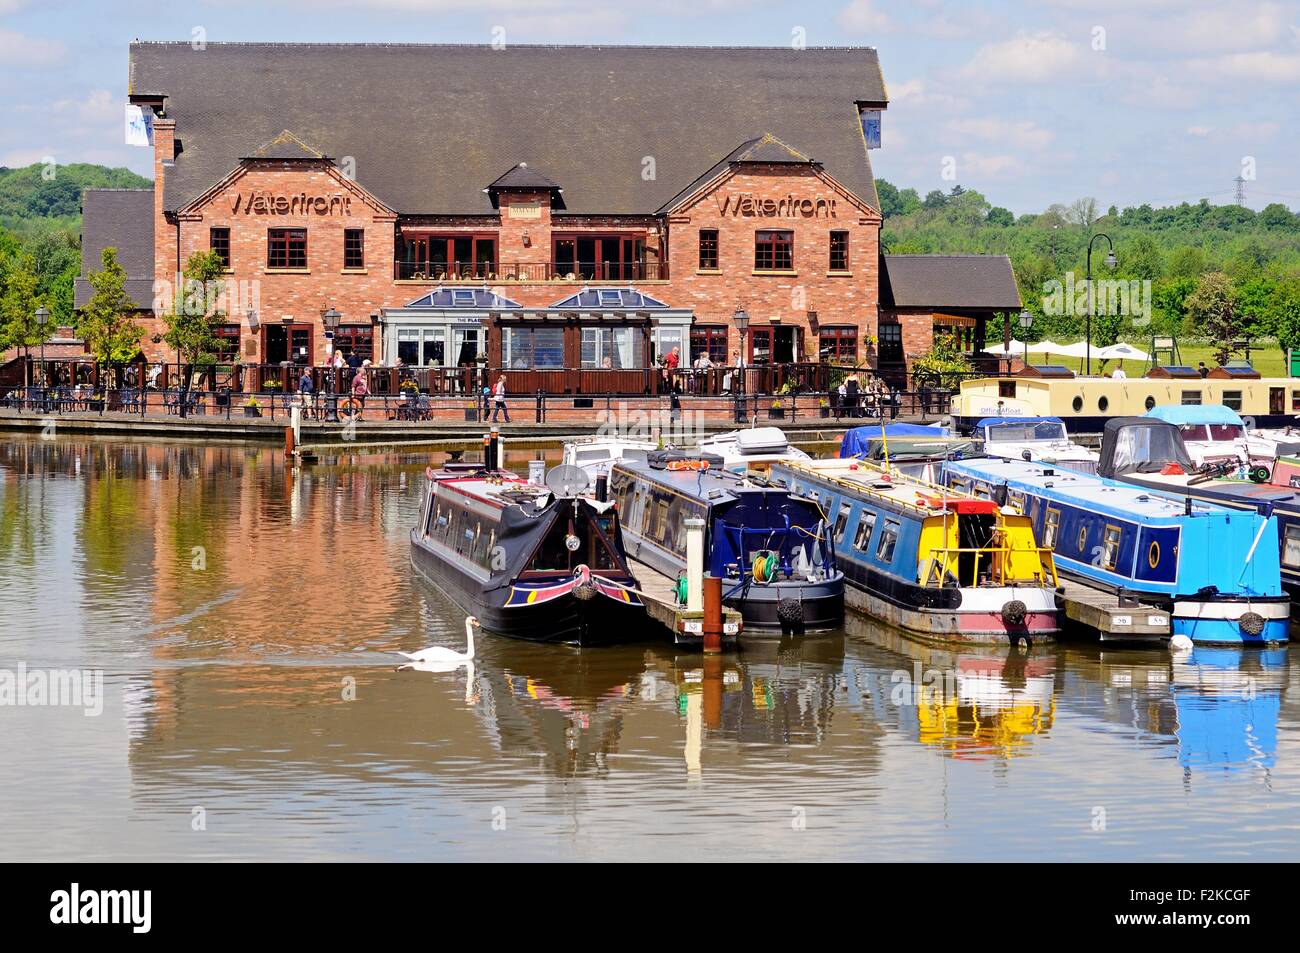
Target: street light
(1026,322)
(42,315)
(741,317)
(1111,262)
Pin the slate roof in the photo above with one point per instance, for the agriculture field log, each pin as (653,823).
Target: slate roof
(949,281)
(766,149)
(428,126)
(521,176)
(122,218)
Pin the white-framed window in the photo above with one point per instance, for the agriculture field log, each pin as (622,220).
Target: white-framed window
(613,348)
(842,522)
(866,526)
(525,348)
(609,297)
(1051,526)
(1291,546)
(888,540)
(461,296)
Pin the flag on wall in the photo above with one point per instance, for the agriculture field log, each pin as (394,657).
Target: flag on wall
(139,126)
(871,127)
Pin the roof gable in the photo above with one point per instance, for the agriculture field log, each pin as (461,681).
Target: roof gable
(427,125)
(286,146)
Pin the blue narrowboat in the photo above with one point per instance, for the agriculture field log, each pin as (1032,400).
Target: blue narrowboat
(1204,563)
(1151,452)
(943,564)
(767,545)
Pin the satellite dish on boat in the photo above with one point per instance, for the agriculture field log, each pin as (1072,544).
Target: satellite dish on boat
(567,481)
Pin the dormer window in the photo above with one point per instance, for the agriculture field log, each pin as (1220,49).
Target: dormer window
(462,297)
(610,297)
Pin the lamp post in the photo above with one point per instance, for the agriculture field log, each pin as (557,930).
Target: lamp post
(330,320)
(741,317)
(42,315)
(1111,262)
(1026,322)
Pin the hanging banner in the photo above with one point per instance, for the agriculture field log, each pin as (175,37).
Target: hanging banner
(139,126)
(871,127)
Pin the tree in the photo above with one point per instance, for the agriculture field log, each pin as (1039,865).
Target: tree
(1213,308)
(1186,262)
(105,323)
(1141,259)
(19,326)
(189,325)
(1082,211)
(1001,217)
(1285,315)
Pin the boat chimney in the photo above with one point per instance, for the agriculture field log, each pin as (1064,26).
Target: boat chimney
(602,487)
(537,472)
(1187,505)
(494,443)
(487,451)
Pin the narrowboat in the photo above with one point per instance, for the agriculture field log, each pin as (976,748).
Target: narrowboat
(930,560)
(1086,403)
(767,545)
(1201,562)
(530,562)
(1150,453)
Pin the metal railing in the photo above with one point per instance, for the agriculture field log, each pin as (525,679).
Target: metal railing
(939,570)
(529,271)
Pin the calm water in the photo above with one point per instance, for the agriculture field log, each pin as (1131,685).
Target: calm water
(245,621)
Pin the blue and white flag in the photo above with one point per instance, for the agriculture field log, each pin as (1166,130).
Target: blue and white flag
(139,126)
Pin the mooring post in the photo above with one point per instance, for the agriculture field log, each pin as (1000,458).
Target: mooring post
(712,614)
(288,442)
(295,420)
(694,565)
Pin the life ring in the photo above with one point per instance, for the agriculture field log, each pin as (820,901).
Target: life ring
(680,465)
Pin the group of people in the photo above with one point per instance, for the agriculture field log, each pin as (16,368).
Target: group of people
(851,399)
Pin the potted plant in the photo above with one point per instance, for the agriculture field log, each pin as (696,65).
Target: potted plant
(271,385)
(252,408)
(777,410)
(823,407)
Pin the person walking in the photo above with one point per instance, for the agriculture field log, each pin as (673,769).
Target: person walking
(499,400)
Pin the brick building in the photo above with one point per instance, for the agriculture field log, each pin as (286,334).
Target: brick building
(531,208)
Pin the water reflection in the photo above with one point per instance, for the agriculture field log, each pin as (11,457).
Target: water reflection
(247,619)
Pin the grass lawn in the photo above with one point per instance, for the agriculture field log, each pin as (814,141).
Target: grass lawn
(1270,362)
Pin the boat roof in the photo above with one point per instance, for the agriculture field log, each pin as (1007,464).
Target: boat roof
(752,440)
(1094,492)
(1183,414)
(715,485)
(496,488)
(906,491)
(858,440)
(994,421)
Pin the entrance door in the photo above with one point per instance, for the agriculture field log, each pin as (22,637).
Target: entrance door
(785,345)
(275,347)
(1276,400)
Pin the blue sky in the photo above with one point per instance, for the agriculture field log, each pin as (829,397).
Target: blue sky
(1033,102)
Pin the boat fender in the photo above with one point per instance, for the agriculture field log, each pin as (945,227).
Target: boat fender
(790,611)
(683,590)
(1252,623)
(1014,612)
(1180,643)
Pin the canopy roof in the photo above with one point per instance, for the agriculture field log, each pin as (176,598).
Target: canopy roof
(1182,414)
(1141,445)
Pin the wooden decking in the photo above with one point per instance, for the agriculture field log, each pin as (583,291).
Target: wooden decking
(1102,611)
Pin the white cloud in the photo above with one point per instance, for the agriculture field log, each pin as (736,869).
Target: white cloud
(1263,66)
(1022,134)
(978,165)
(1041,57)
(861,16)
(19,50)
(1201,131)
(1255,131)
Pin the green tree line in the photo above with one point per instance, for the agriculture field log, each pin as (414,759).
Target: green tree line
(1222,272)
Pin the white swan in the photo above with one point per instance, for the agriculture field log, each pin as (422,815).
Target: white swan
(438,658)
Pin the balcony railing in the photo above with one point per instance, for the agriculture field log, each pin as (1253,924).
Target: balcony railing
(530,271)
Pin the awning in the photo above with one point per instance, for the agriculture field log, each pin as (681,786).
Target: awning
(953,321)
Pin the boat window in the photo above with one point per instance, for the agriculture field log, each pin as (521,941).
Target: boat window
(1226,432)
(1192,431)
(1191,398)
(1291,545)
(1102,403)
(1051,525)
(841,522)
(1006,388)
(1016,500)
(1026,430)
(1232,399)
(888,540)
(1295,401)
(866,526)
(1110,547)
(1149,402)
(660,520)
(1077,404)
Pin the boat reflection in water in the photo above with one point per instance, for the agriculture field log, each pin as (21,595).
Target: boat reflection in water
(1219,705)
(972,701)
